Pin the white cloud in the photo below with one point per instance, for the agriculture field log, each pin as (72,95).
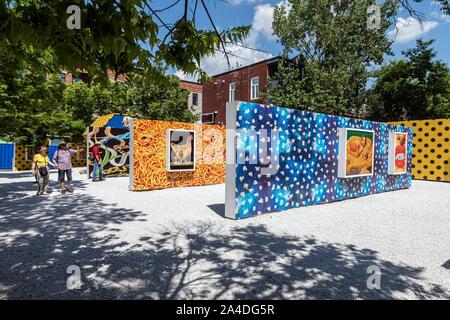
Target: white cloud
(217,63)
(444,18)
(240,56)
(238,2)
(262,23)
(188,77)
(410,28)
(435,3)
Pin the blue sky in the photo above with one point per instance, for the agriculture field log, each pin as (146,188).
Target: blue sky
(258,14)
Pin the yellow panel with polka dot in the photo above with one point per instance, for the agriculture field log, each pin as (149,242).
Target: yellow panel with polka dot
(431,149)
(23,156)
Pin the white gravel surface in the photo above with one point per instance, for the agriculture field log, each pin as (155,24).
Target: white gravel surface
(176,244)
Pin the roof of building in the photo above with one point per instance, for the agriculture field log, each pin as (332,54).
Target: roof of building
(193,82)
(270,60)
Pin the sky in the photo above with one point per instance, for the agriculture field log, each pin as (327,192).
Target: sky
(258,14)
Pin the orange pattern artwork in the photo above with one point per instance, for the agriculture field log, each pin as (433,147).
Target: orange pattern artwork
(149,155)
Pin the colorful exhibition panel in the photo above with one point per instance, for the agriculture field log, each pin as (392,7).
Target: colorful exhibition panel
(174,154)
(431,152)
(23,155)
(113,120)
(279,158)
(114,147)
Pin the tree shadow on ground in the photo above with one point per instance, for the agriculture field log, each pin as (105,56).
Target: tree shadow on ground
(14,174)
(14,190)
(184,261)
(9,174)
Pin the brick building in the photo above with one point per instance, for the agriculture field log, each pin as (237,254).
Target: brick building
(244,84)
(69,78)
(195,98)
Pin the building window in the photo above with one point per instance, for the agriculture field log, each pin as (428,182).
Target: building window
(254,88)
(232,95)
(208,118)
(195,99)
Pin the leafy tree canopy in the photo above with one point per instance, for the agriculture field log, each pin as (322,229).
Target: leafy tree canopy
(336,47)
(36,105)
(31,109)
(416,87)
(338,44)
(118,35)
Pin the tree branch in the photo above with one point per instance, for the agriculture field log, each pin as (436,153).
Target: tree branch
(217,32)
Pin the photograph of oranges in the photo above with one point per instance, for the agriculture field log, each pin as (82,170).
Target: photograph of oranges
(359,153)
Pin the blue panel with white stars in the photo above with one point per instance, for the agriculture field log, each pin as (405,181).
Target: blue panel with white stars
(308,146)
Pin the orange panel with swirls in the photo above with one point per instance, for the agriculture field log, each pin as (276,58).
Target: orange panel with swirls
(149,155)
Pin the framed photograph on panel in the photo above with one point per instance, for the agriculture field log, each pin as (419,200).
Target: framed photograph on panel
(180,147)
(356,153)
(398,152)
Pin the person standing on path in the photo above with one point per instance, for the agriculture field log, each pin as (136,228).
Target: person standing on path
(39,167)
(63,158)
(97,162)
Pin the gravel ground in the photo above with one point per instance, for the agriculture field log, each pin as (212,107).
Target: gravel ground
(176,244)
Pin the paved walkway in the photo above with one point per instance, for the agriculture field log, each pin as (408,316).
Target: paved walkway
(175,243)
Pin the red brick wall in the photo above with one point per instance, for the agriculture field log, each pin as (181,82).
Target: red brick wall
(84,76)
(112,75)
(216,91)
(191,86)
(68,78)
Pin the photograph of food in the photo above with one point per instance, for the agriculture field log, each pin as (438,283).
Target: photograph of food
(359,153)
(400,152)
(180,150)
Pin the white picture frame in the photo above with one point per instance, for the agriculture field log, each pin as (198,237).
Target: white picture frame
(392,150)
(342,155)
(169,166)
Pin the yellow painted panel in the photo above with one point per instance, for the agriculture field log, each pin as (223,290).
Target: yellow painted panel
(431,149)
(101,121)
(24,156)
